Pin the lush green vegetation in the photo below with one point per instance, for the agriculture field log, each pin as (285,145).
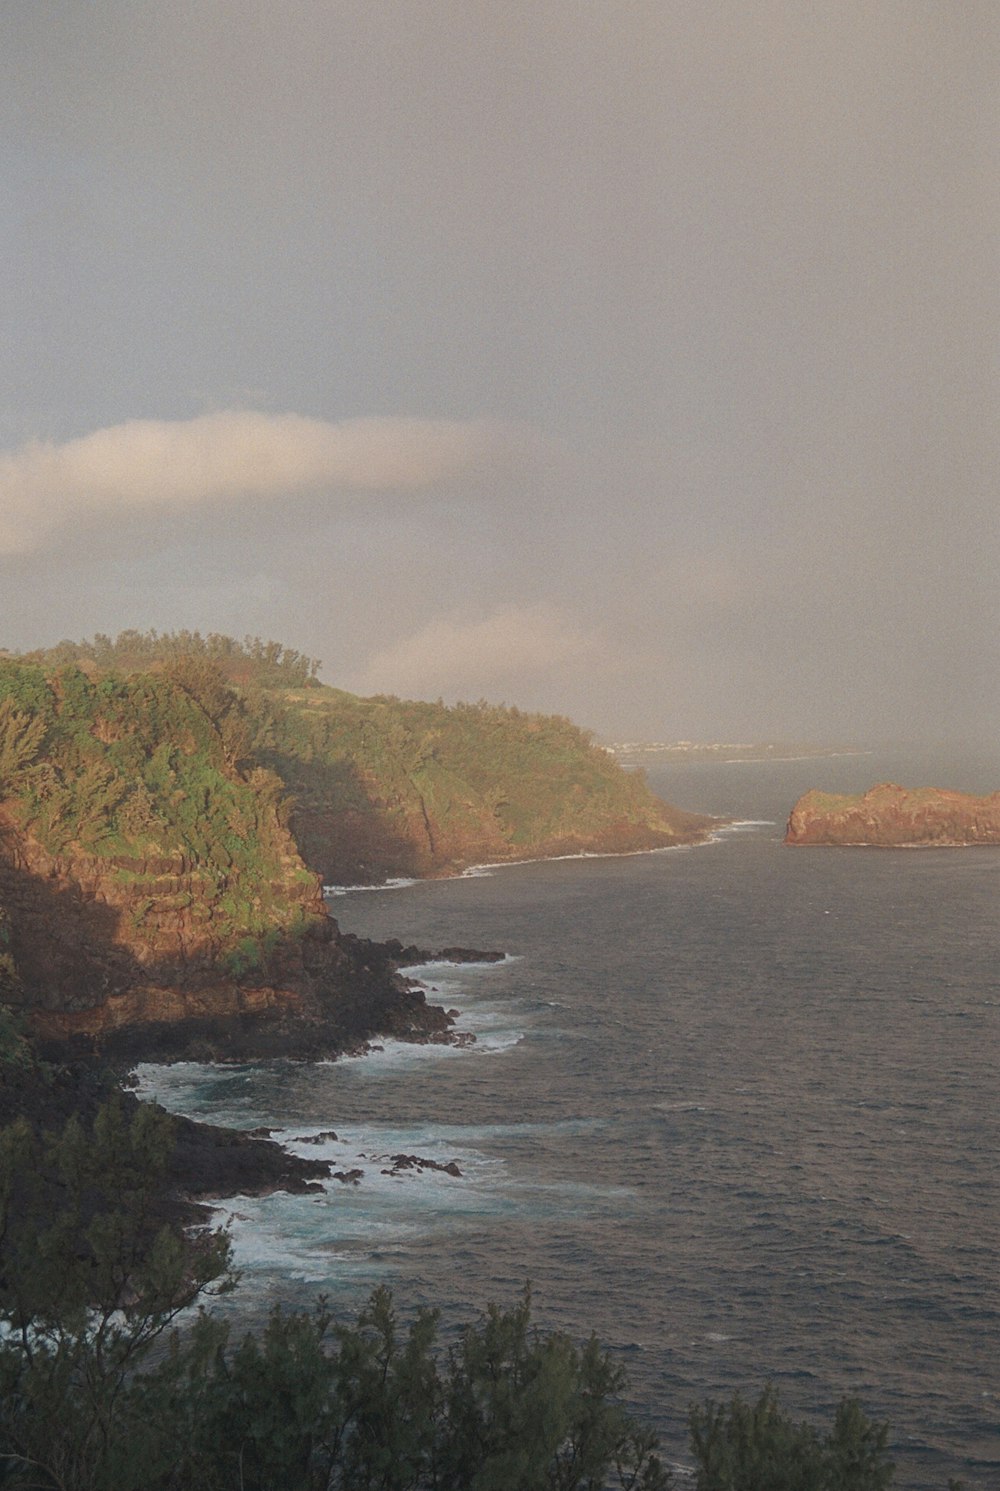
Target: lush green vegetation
(450,783)
(268,664)
(378,786)
(97,1393)
(150,773)
(743,1446)
(100,1391)
(15,1048)
(138,765)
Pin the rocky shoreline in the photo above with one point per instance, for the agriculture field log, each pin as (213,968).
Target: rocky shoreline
(211,1161)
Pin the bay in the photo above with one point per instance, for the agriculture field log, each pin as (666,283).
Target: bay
(731,1107)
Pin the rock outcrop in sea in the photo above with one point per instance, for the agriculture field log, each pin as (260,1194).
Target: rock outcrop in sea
(891,816)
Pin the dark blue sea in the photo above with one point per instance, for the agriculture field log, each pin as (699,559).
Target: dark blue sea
(733,1107)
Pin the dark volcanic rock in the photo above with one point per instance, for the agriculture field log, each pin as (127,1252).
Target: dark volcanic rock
(206,1160)
(211,1161)
(410,955)
(401,1162)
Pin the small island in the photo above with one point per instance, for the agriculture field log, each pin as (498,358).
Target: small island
(890,816)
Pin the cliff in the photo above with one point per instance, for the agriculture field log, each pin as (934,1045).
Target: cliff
(167,806)
(892,816)
(152,899)
(384,787)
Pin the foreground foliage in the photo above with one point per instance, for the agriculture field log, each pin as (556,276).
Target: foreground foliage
(743,1446)
(99,1390)
(91,1277)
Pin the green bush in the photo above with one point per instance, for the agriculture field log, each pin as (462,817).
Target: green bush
(90,1400)
(741,1446)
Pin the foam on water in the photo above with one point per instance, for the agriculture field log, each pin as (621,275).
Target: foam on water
(398,882)
(230,1094)
(202,1090)
(476,872)
(481,966)
(353,1231)
(740,826)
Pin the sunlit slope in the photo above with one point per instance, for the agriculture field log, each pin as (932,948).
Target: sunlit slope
(385,786)
(152,898)
(137,834)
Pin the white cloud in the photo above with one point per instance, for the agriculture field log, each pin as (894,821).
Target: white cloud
(470,659)
(148,463)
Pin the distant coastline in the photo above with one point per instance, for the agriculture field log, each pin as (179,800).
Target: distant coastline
(647,753)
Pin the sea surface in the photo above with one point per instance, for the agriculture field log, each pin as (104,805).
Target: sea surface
(734,1108)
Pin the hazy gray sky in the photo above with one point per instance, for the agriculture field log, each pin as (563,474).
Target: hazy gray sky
(631,359)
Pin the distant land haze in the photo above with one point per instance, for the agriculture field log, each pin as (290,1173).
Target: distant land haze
(631,752)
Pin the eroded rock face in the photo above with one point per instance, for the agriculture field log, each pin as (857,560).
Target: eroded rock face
(140,966)
(892,816)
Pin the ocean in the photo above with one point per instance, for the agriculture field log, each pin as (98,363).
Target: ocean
(732,1107)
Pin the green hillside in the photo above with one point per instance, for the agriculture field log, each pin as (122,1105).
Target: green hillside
(385,786)
(139,791)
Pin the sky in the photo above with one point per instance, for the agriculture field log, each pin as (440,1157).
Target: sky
(635,360)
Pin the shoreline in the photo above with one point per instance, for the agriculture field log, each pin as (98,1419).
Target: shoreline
(871,844)
(487,867)
(218,1164)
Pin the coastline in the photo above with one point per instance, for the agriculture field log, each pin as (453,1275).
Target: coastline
(349,995)
(477,870)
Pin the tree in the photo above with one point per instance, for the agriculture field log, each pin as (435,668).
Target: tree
(534,1412)
(90,1281)
(312,1405)
(101,1391)
(743,1446)
(21,736)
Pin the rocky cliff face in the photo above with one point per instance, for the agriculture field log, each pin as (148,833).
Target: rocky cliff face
(385,787)
(134,968)
(161,834)
(352,848)
(85,928)
(152,898)
(889,815)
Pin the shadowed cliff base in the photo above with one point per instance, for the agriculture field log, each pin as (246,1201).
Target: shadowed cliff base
(72,970)
(388,787)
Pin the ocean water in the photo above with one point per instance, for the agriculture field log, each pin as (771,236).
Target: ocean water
(733,1107)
